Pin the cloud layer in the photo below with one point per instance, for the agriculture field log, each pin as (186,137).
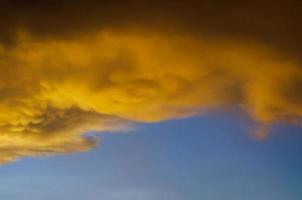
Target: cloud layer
(61,79)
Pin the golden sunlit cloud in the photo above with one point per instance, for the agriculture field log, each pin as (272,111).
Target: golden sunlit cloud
(52,91)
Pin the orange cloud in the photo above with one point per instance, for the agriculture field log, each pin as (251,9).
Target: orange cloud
(52,91)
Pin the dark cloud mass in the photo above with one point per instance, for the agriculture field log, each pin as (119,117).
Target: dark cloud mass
(72,66)
(269,21)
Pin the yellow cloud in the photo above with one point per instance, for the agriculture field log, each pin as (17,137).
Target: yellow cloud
(52,91)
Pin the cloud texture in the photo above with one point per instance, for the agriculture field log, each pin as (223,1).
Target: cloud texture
(57,84)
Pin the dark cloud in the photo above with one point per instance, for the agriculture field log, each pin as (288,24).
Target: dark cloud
(273,22)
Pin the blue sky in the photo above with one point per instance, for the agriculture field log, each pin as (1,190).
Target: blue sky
(205,157)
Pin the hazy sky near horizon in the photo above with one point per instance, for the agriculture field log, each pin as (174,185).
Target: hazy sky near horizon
(115,90)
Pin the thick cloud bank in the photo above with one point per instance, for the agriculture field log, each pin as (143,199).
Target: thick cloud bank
(101,72)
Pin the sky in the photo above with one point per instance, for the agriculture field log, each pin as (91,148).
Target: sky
(204,157)
(150,100)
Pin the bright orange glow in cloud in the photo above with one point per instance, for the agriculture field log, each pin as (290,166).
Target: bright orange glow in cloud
(52,91)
